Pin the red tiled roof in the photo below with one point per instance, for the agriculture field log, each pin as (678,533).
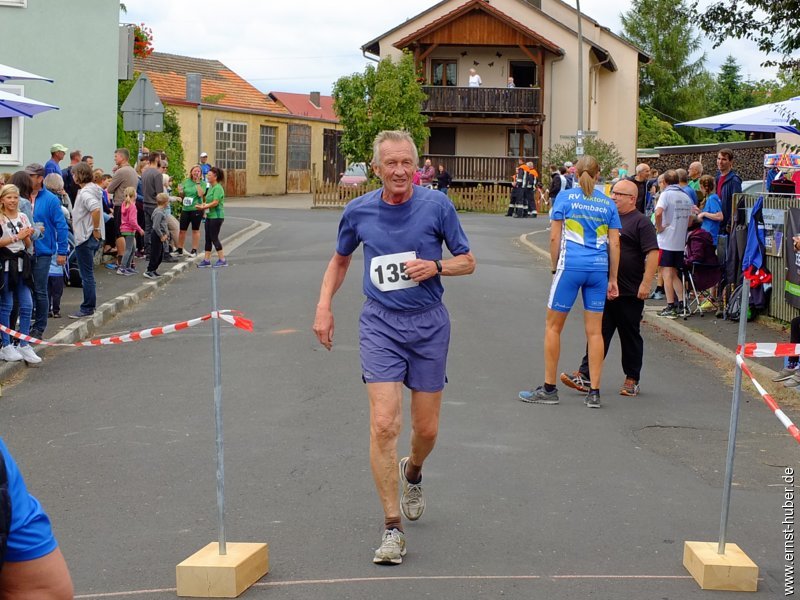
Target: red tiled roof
(220,86)
(301,105)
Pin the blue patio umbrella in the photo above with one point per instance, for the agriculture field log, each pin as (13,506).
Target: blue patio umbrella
(768,118)
(13,105)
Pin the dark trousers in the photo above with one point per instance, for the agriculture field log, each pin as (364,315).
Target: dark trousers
(212,234)
(41,303)
(148,226)
(623,315)
(156,251)
(84,253)
(794,337)
(55,289)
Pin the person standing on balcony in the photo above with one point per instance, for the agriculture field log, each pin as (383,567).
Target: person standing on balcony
(474,79)
(426,174)
(511,83)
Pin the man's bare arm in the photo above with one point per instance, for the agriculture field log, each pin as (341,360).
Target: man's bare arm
(331,282)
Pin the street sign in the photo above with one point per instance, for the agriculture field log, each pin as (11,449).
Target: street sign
(142,109)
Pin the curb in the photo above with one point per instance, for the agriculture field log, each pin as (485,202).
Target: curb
(85,328)
(691,338)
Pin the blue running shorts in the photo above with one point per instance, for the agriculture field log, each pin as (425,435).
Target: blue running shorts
(409,346)
(566,283)
(30,535)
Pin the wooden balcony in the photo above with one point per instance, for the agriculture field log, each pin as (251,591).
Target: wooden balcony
(482,102)
(482,169)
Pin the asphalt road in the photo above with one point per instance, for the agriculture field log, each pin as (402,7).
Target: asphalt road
(524,501)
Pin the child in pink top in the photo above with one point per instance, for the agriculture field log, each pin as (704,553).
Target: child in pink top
(129,227)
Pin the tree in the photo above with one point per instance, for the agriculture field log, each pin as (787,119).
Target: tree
(730,92)
(771,25)
(168,140)
(386,96)
(673,83)
(606,154)
(655,132)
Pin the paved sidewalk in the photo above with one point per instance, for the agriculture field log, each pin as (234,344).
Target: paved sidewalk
(115,292)
(710,335)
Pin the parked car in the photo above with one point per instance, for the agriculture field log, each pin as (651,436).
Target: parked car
(354,175)
(753,186)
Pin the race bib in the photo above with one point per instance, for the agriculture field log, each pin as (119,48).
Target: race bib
(187,201)
(388,272)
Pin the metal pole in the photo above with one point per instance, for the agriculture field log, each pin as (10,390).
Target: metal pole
(218,415)
(579,136)
(737,391)
(199,131)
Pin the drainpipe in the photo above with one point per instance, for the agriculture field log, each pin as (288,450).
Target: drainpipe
(552,85)
(592,95)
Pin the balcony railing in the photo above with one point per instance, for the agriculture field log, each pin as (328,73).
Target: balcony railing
(482,100)
(478,168)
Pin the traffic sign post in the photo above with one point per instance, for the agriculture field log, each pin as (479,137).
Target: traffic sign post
(142,110)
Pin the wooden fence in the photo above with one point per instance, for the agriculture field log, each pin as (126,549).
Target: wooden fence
(486,199)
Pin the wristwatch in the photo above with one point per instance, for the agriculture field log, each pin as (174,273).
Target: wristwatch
(438,266)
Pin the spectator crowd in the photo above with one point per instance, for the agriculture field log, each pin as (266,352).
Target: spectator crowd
(57,223)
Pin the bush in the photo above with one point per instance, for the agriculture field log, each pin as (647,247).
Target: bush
(606,154)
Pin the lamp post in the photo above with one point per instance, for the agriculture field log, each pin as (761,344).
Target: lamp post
(579,134)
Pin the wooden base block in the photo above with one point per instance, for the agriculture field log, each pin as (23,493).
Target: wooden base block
(732,571)
(206,574)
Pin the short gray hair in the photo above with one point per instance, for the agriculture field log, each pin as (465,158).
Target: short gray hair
(392,136)
(54,182)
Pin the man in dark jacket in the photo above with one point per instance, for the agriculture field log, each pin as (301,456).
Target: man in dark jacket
(728,184)
(555,184)
(640,179)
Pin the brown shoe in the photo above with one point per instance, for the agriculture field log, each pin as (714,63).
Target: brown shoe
(576,381)
(629,388)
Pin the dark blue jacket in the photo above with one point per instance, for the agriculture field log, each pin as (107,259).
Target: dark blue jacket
(47,210)
(732,185)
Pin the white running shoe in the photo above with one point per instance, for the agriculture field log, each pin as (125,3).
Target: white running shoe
(392,548)
(10,354)
(29,355)
(412,502)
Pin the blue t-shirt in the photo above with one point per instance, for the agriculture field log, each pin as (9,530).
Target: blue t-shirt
(418,225)
(51,166)
(204,169)
(31,535)
(584,236)
(691,193)
(713,205)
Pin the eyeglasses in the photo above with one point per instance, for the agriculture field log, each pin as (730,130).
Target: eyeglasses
(616,193)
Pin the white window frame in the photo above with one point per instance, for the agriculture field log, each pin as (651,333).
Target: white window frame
(17,127)
(227,129)
(265,168)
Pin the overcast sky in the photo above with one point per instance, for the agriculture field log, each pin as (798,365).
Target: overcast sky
(305,45)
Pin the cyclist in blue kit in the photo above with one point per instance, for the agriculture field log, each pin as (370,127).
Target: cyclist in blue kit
(404,329)
(584,252)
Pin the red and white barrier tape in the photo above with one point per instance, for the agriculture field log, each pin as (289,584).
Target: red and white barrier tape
(791,427)
(235,318)
(768,350)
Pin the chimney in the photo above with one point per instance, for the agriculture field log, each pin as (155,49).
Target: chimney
(315,100)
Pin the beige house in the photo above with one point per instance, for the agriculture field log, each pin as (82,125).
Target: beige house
(263,145)
(478,132)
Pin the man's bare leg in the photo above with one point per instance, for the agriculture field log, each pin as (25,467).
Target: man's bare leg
(45,578)
(386,420)
(425,409)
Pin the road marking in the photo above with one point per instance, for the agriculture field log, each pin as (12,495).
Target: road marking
(345,580)
(284,331)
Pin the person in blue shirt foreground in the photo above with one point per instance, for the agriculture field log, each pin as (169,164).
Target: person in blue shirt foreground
(584,253)
(31,563)
(404,327)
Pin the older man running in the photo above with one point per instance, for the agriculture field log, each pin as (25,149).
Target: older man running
(404,327)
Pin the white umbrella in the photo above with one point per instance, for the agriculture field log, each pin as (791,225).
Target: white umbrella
(7,73)
(769,118)
(13,105)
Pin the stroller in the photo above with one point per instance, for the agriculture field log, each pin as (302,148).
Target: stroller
(701,271)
